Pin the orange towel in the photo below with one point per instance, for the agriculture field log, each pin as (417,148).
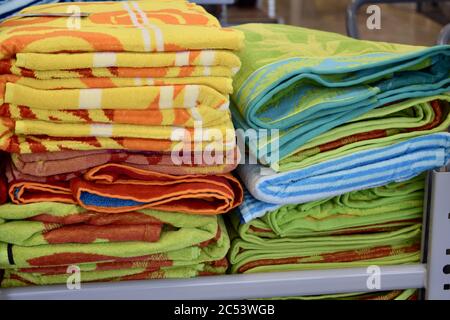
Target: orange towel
(114,188)
(119,188)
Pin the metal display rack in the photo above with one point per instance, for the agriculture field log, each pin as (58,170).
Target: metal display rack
(433,274)
(438,242)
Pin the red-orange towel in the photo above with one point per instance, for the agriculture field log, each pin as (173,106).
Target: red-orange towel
(120,188)
(114,188)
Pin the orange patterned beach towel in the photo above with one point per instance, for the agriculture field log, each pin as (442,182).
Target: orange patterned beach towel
(114,188)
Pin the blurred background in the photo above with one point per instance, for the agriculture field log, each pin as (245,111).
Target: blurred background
(419,22)
(411,22)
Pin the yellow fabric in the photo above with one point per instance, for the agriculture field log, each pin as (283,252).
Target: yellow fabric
(133,98)
(187,118)
(221,84)
(65,61)
(160,73)
(129,26)
(37,127)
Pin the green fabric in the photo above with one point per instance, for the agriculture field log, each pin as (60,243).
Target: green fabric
(386,204)
(389,295)
(13,278)
(396,120)
(179,243)
(307,82)
(15,230)
(344,229)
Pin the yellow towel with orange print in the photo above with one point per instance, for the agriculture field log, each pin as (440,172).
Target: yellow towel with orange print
(120,76)
(123,39)
(128,26)
(217,63)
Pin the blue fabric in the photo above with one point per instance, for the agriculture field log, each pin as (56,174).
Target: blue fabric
(359,93)
(362,170)
(91,199)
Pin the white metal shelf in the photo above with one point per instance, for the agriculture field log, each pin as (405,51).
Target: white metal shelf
(242,286)
(438,242)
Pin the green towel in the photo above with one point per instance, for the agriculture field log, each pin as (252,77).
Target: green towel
(408,294)
(375,226)
(192,238)
(377,128)
(307,83)
(15,278)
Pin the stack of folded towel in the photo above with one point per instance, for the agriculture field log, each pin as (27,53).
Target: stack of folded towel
(408,294)
(377,226)
(358,123)
(351,114)
(109,125)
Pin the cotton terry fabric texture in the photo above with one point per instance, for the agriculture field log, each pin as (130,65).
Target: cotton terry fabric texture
(127,79)
(352,114)
(307,82)
(378,226)
(47,164)
(408,294)
(92,118)
(115,188)
(40,240)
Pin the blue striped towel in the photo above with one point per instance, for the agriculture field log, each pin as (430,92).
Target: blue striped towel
(362,170)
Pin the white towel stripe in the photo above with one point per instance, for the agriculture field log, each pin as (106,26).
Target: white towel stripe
(102,130)
(104,59)
(158,33)
(182,59)
(90,98)
(207,71)
(166,97)
(207,57)
(191,95)
(145,33)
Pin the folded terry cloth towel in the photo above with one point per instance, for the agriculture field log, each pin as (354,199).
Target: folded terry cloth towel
(189,239)
(327,252)
(81,227)
(47,164)
(116,130)
(408,294)
(126,79)
(150,265)
(129,26)
(40,143)
(40,242)
(379,127)
(57,223)
(116,188)
(376,226)
(217,77)
(180,117)
(122,64)
(360,170)
(306,82)
(220,84)
(141,271)
(392,202)
(133,98)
